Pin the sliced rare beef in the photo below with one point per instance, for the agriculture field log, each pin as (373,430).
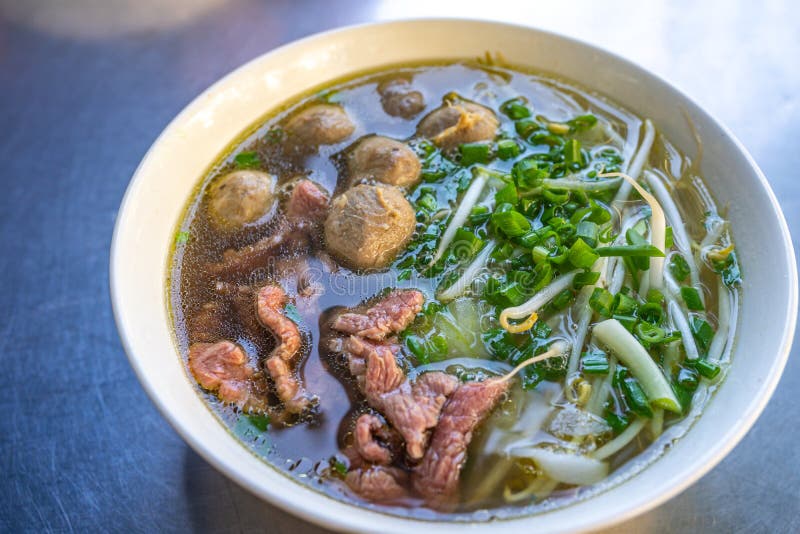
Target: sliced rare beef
(412,408)
(368,431)
(390,315)
(223,367)
(378,483)
(270,303)
(436,477)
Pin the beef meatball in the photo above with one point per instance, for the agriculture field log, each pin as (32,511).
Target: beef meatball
(239,198)
(368,225)
(380,159)
(399,99)
(320,124)
(459,122)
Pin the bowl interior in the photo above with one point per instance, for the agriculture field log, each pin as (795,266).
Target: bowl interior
(181,155)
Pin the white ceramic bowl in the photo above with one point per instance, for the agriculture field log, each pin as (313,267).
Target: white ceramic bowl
(182,154)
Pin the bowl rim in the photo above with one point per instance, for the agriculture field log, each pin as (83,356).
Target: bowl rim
(327,519)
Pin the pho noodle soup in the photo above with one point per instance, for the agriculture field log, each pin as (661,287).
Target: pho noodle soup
(455,291)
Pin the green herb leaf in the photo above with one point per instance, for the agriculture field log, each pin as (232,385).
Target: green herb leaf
(247,160)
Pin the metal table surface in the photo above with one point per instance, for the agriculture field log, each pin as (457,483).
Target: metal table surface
(85,88)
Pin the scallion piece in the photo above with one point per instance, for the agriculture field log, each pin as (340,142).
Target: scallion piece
(474,153)
(650,333)
(692,298)
(624,305)
(588,231)
(636,398)
(479,215)
(585,279)
(651,312)
(427,202)
(511,222)
(582,255)
(595,362)
(707,369)
(573,156)
(507,149)
(526,127)
(247,160)
(507,194)
(628,321)
(601,301)
(630,250)
(702,331)
(515,109)
(630,352)
(679,267)
(687,378)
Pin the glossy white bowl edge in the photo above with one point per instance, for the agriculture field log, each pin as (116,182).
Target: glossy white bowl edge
(179,157)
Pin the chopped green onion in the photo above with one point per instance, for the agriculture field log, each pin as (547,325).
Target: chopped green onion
(465,244)
(511,222)
(582,122)
(503,252)
(507,149)
(543,274)
(561,300)
(692,298)
(526,127)
(628,321)
(669,240)
(649,333)
(630,250)
(427,202)
(595,362)
(572,153)
(247,160)
(582,255)
(474,153)
(679,267)
(651,312)
(588,231)
(515,109)
(631,353)
(728,269)
(636,398)
(527,174)
(601,301)
(585,279)
(182,238)
(508,194)
(702,331)
(617,422)
(624,305)
(687,378)
(707,369)
(479,215)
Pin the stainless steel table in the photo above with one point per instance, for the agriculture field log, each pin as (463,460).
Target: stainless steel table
(85,88)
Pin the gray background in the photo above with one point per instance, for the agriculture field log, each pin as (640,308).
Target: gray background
(85,88)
